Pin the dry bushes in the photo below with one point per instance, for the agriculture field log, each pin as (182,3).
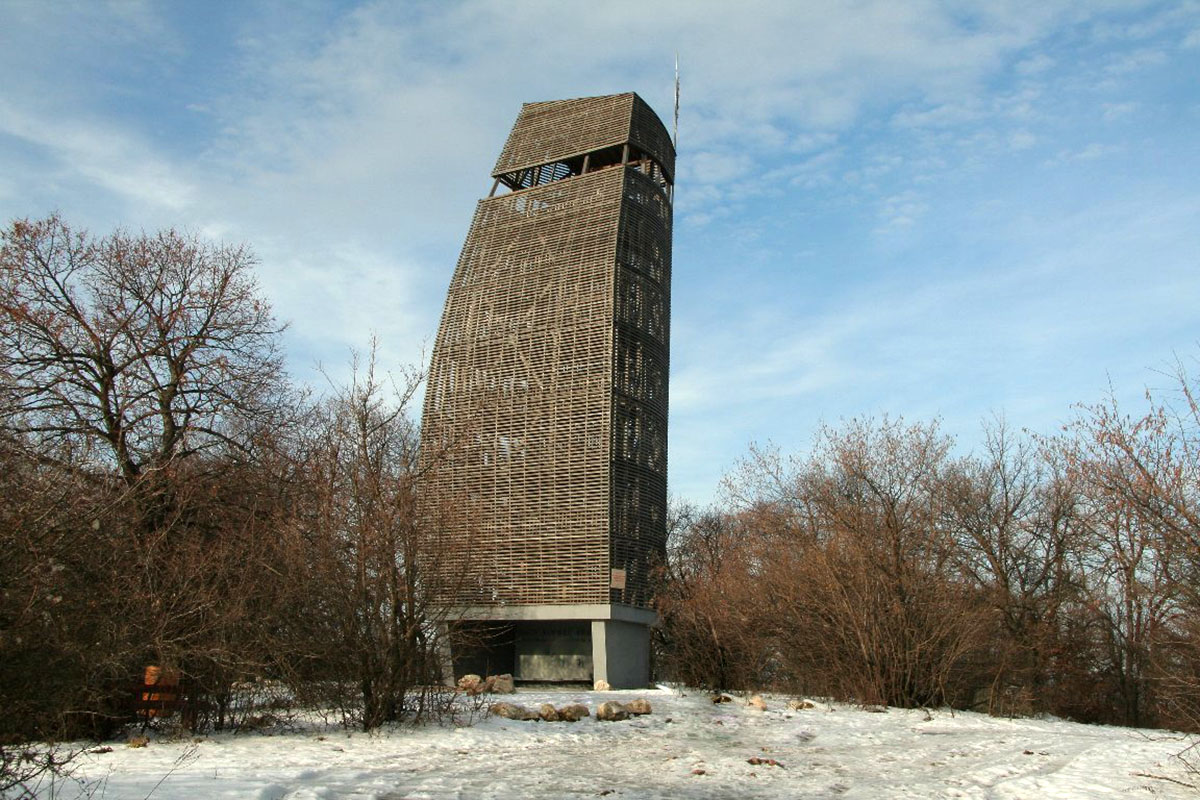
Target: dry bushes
(366,624)
(1038,575)
(714,633)
(167,498)
(834,576)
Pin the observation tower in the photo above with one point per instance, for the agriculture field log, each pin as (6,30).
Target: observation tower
(545,418)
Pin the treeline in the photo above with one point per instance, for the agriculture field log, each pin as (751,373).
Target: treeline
(1040,574)
(168,497)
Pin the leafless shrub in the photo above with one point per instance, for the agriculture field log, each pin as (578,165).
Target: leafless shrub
(834,575)
(29,769)
(139,382)
(368,553)
(713,633)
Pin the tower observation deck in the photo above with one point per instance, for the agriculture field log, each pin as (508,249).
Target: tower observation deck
(545,414)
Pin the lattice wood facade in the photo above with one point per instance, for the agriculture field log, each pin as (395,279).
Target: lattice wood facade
(547,391)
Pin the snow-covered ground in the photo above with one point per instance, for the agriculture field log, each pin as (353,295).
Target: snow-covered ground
(688,748)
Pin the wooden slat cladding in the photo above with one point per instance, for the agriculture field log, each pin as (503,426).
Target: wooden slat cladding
(546,409)
(640,370)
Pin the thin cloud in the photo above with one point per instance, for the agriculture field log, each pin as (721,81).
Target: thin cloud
(116,160)
(1113,111)
(901,211)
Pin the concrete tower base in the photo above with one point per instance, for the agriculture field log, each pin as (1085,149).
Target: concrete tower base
(546,644)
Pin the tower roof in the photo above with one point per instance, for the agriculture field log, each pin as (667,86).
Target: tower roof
(561,129)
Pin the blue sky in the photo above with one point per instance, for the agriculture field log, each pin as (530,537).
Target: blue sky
(926,209)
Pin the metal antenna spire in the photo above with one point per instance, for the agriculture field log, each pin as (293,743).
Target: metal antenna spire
(675,131)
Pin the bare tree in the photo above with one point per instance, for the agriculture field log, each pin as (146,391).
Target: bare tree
(372,554)
(139,376)
(713,632)
(1142,475)
(1016,518)
(147,348)
(849,564)
(875,490)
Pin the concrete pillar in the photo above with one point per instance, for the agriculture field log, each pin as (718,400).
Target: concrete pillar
(599,652)
(445,657)
(621,653)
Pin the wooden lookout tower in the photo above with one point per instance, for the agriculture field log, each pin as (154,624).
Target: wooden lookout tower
(546,406)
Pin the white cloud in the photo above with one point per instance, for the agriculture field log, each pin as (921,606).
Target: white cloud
(719,168)
(1035,64)
(339,298)
(115,159)
(1114,111)
(1135,61)
(809,142)
(820,170)
(901,211)
(1092,151)
(1022,140)
(944,115)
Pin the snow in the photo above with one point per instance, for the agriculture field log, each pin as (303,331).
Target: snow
(688,748)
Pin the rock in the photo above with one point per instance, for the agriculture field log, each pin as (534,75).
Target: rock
(548,713)
(602,686)
(612,711)
(638,707)
(473,685)
(512,711)
(502,684)
(257,722)
(573,712)
(757,702)
(799,705)
(470,683)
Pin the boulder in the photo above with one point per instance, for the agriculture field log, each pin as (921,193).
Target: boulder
(512,711)
(612,711)
(602,686)
(757,702)
(473,685)
(502,684)
(638,707)
(573,712)
(548,713)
